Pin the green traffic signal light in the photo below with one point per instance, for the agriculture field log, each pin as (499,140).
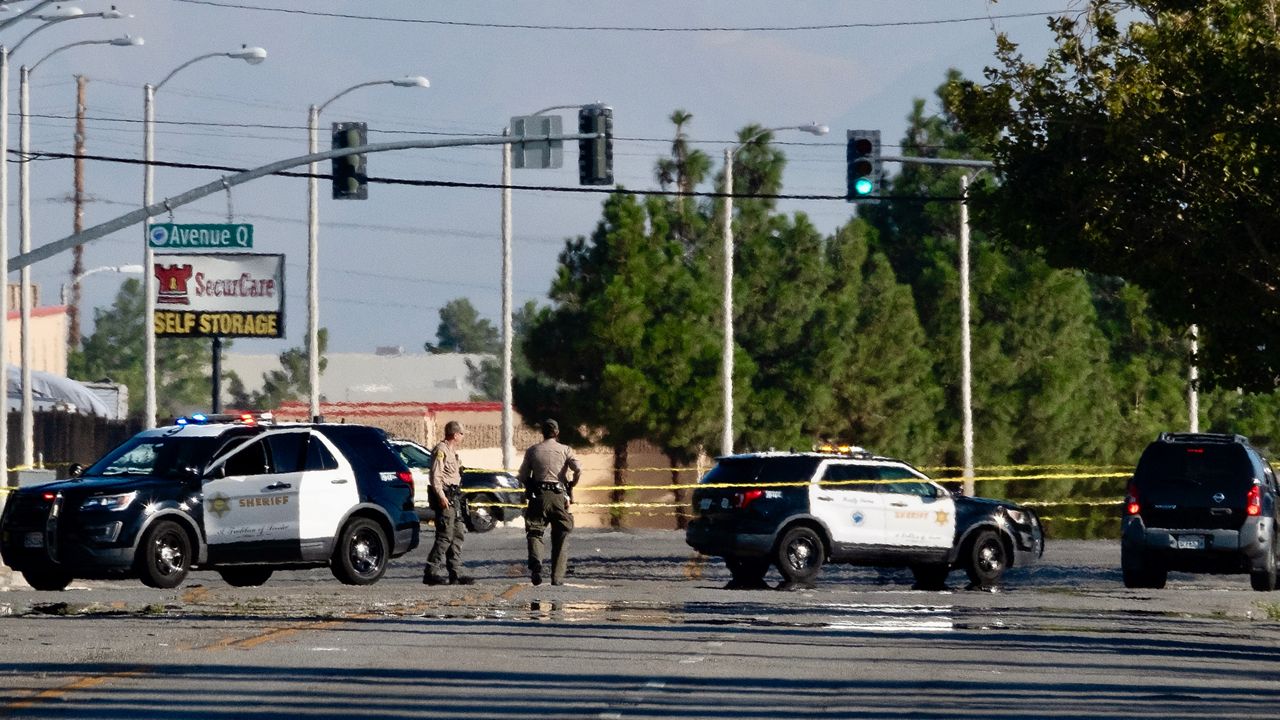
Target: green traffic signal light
(863,158)
(863,186)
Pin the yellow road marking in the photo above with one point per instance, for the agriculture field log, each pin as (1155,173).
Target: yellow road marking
(83,683)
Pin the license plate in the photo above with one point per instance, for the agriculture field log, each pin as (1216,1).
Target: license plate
(1190,542)
(33,540)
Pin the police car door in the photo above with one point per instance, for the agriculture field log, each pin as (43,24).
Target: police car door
(328,493)
(919,513)
(844,497)
(251,503)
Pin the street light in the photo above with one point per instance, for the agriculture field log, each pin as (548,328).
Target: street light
(125,269)
(60,14)
(726,367)
(251,55)
(313,234)
(24,209)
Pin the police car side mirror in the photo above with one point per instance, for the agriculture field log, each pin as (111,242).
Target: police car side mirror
(76,470)
(216,473)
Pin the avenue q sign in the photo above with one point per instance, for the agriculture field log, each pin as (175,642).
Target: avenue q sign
(219,294)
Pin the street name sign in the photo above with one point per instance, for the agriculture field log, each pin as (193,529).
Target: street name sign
(175,236)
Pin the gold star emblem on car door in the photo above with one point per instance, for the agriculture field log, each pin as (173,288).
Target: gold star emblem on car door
(941,517)
(219,505)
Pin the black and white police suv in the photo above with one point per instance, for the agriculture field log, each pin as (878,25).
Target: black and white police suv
(244,498)
(801,510)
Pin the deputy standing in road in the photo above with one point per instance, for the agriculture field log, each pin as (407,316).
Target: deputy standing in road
(549,492)
(446,502)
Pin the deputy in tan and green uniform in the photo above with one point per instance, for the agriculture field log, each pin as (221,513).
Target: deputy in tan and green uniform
(549,492)
(446,501)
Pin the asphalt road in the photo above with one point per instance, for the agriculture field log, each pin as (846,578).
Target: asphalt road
(644,629)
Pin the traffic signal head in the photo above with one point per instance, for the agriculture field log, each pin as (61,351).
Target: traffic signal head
(595,156)
(350,178)
(863,157)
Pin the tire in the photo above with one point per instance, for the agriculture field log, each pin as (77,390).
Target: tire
(931,577)
(360,557)
(245,576)
(47,578)
(481,516)
(799,555)
(986,559)
(747,572)
(164,555)
(1265,580)
(1141,572)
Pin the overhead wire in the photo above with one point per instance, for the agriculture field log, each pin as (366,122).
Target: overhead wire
(623,28)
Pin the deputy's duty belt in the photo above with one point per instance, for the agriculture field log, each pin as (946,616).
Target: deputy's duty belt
(550,487)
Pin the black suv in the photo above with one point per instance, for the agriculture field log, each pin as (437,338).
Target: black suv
(1200,502)
(243,498)
(800,510)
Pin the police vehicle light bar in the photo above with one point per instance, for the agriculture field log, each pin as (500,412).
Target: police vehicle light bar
(246,418)
(841,449)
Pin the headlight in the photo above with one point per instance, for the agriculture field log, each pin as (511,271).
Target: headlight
(1017,516)
(109,502)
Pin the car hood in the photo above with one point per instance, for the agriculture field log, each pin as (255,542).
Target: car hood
(99,484)
(985,503)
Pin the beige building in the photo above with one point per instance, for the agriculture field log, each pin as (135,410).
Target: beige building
(48,333)
(638,496)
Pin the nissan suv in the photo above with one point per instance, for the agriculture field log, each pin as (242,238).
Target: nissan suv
(1203,503)
(238,495)
(800,510)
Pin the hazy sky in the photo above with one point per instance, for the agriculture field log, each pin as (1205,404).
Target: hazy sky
(389,263)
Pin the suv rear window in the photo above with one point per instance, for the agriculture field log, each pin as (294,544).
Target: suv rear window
(1220,466)
(365,447)
(751,470)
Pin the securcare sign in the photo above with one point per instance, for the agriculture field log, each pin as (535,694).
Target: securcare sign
(219,294)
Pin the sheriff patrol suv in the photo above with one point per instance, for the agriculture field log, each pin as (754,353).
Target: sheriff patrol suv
(799,511)
(244,498)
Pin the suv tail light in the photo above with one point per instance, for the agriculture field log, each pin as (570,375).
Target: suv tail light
(1253,501)
(746,497)
(1131,504)
(406,477)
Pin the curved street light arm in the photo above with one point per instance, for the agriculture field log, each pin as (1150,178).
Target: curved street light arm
(326,103)
(184,65)
(25,13)
(54,21)
(32,67)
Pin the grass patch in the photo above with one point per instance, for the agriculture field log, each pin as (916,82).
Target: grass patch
(1271,610)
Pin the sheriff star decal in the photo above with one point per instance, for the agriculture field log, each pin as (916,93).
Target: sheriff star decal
(941,517)
(219,505)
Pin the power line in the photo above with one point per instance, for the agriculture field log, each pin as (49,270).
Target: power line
(623,28)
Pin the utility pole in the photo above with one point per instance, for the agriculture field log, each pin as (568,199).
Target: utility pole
(77,224)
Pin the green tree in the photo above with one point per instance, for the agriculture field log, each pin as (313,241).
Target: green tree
(462,330)
(291,382)
(115,350)
(1143,146)
(486,375)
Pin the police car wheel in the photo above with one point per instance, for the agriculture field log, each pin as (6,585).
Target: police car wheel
(986,560)
(246,576)
(164,555)
(47,578)
(931,577)
(361,555)
(799,555)
(480,516)
(747,571)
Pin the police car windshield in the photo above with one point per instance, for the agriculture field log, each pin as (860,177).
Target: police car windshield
(157,456)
